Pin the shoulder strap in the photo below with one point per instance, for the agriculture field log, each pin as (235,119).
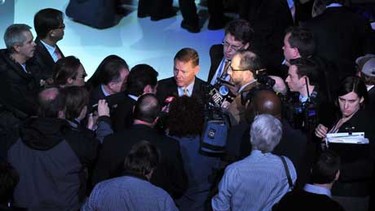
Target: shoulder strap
(291,185)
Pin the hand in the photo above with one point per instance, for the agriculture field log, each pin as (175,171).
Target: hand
(321,131)
(91,122)
(103,109)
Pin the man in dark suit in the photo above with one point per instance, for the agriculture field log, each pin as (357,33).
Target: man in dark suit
(317,194)
(184,81)
(169,174)
(238,35)
(341,37)
(269,20)
(49,26)
(108,81)
(142,79)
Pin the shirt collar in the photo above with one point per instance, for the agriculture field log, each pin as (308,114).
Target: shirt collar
(317,190)
(189,89)
(133,97)
(103,90)
(334,5)
(50,48)
(245,85)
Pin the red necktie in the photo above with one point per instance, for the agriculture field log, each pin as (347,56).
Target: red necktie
(58,54)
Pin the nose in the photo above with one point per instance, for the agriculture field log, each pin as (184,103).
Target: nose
(287,79)
(346,105)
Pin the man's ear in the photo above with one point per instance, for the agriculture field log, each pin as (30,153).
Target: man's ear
(196,69)
(70,80)
(361,100)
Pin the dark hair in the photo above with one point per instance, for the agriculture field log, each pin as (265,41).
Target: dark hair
(107,71)
(139,77)
(142,159)
(185,117)
(50,102)
(353,84)
(46,20)
(241,30)
(8,180)
(249,61)
(147,108)
(306,67)
(76,98)
(65,68)
(302,39)
(186,55)
(325,168)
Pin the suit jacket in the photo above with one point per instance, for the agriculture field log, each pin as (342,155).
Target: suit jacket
(168,87)
(236,110)
(95,95)
(18,89)
(341,37)
(44,59)
(216,55)
(122,115)
(169,175)
(269,19)
(303,200)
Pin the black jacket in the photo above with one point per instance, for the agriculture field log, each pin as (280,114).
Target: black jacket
(170,174)
(52,159)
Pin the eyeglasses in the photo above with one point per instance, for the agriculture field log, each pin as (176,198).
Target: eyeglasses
(232,47)
(234,70)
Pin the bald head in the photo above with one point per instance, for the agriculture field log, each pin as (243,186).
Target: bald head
(51,102)
(267,102)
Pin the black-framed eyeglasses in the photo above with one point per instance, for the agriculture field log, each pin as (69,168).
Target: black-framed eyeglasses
(236,70)
(233,47)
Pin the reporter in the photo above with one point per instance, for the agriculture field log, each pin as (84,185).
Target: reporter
(354,185)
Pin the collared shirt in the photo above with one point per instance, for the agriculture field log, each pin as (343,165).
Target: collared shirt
(103,90)
(369,87)
(189,89)
(219,71)
(334,5)
(245,85)
(317,190)
(128,193)
(133,97)
(51,50)
(254,183)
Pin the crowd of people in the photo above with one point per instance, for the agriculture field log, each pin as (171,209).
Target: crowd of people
(124,140)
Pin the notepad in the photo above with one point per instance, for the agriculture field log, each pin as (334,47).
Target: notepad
(346,138)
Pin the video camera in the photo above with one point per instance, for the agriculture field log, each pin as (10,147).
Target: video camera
(219,95)
(264,83)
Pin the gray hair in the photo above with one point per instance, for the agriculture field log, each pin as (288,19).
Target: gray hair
(14,35)
(265,133)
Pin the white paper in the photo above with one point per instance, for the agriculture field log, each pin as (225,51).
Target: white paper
(346,138)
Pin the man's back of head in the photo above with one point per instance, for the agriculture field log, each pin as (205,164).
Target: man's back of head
(265,133)
(302,39)
(326,169)
(147,109)
(140,77)
(50,103)
(266,102)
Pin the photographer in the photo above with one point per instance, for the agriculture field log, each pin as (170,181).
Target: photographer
(305,101)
